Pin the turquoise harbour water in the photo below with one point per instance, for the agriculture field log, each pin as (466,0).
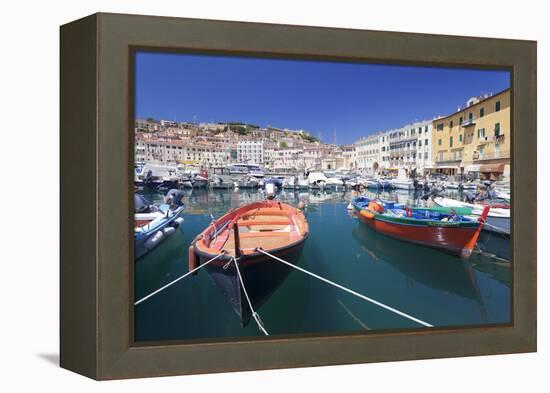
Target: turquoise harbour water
(430,285)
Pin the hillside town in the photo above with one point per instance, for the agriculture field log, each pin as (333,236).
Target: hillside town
(473,141)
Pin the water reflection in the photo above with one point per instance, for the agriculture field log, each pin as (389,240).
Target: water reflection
(428,284)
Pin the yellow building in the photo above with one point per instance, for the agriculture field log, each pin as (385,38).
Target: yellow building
(474,140)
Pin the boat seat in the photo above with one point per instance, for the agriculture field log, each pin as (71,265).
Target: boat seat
(249,223)
(269,233)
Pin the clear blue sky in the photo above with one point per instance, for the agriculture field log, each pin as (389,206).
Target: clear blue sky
(354,99)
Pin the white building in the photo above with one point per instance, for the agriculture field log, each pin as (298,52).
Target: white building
(402,150)
(249,151)
(384,147)
(410,147)
(424,147)
(367,154)
(154,150)
(290,157)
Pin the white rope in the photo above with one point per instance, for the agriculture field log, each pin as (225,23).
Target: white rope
(348,290)
(178,279)
(254,313)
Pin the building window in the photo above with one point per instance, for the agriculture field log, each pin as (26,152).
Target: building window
(451,142)
(439,142)
(497,106)
(481,112)
(420,143)
(425,142)
(481,133)
(439,127)
(460,121)
(426,155)
(460,138)
(497,129)
(471,116)
(451,125)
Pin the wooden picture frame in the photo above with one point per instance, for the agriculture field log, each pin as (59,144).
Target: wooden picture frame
(96,175)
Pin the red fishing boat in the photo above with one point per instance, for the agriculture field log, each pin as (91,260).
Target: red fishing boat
(446,229)
(234,238)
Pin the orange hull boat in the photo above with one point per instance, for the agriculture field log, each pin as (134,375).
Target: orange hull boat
(275,227)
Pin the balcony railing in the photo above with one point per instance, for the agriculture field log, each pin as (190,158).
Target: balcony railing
(491,139)
(448,158)
(468,122)
(490,156)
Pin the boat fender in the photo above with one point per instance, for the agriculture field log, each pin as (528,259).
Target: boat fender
(178,221)
(193,260)
(169,230)
(375,207)
(154,240)
(367,214)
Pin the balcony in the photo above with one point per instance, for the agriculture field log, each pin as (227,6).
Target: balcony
(491,139)
(477,156)
(468,122)
(448,158)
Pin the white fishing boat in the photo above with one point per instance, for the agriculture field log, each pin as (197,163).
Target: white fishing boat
(384,182)
(335,183)
(247,181)
(373,184)
(402,184)
(156,175)
(220,178)
(153,224)
(246,169)
(317,180)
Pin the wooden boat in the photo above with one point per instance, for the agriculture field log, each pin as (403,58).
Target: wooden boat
(277,228)
(442,228)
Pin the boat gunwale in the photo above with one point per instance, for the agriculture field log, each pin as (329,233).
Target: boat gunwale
(204,251)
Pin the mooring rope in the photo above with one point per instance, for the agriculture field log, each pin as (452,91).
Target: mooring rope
(347,289)
(179,278)
(255,315)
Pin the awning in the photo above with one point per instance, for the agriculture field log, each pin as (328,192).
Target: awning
(472,168)
(492,168)
(445,167)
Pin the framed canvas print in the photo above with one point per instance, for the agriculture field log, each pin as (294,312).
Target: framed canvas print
(317,196)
